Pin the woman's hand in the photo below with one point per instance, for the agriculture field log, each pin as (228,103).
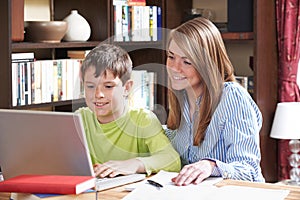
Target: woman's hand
(194,173)
(114,168)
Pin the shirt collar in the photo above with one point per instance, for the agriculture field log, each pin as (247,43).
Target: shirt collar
(198,100)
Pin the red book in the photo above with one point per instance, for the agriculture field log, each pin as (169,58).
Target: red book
(136,2)
(50,184)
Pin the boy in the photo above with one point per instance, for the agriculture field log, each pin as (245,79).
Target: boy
(121,140)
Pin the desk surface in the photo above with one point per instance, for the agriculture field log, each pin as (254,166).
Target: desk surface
(120,192)
(293,195)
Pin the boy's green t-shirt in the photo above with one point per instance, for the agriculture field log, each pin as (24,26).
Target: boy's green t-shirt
(137,134)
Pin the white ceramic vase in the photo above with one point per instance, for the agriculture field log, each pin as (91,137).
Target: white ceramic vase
(78,28)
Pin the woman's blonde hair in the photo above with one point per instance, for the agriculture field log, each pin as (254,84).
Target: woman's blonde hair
(202,44)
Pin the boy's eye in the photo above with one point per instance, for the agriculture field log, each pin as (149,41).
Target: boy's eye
(90,86)
(109,86)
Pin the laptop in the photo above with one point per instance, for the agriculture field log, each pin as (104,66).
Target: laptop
(43,142)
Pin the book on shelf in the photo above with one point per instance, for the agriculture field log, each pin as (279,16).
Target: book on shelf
(136,25)
(48,184)
(152,89)
(130,2)
(251,86)
(153,22)
(146,23)
(120,2)
(143,90)
(159,23)
(77,54)
(243,81)
(22,57)
(118,23)
(36,86)
(246,82)
(136,2)
(126,23)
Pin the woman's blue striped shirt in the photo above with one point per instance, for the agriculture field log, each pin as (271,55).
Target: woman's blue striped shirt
(231,139)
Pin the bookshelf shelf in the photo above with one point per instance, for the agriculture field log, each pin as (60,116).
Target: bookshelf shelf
(53,104)
(238,35)
(32,45)
(91,44)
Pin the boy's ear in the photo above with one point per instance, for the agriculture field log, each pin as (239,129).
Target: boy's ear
(128,85)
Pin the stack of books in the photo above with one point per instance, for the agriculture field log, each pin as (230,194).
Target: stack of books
(46,185)
(134,21)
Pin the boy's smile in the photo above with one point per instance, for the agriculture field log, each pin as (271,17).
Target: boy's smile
(105,95)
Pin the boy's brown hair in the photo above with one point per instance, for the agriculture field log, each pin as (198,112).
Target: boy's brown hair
(108,57)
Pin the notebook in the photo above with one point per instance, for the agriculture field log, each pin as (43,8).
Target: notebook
(44,142)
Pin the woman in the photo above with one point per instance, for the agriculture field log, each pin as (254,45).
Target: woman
(213,122)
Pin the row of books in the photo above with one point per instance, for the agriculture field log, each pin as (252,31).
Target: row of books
(43,81)
(137,23)
(143,92)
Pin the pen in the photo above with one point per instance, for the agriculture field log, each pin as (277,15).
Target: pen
(155,184)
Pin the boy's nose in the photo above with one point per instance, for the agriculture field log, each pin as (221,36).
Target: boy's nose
(99,93)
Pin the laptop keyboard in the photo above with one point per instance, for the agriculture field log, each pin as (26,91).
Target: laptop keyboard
(107,183)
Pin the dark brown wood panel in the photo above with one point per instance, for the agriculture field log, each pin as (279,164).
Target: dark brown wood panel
(176,12)
(5,55)
(17,27)
(265,78)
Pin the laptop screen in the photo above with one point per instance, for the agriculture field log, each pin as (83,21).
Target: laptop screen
(43,142)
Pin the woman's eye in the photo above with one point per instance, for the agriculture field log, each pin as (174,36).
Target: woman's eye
(187,63)
(169,56)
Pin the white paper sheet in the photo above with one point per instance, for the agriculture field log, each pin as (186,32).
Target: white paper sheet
(206,190)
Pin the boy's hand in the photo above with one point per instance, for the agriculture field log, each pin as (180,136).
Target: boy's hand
(114,168)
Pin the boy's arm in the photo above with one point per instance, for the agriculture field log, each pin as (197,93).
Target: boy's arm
(163,155)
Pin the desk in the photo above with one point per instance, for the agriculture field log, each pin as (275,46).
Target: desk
(293,195)
(119,192)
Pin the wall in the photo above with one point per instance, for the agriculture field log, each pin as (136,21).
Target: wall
(218,6)
(37,10)
(239,52)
